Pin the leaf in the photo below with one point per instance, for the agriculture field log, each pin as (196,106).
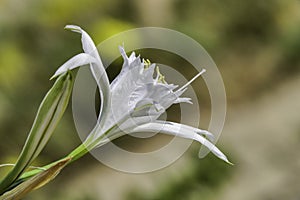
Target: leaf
(35,182)
(48,116)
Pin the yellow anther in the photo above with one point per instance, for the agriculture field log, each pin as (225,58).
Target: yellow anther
(147,63)
(161,78)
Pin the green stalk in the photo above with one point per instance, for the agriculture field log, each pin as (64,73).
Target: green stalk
(77,153)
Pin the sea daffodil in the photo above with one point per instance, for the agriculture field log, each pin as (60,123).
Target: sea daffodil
(132,103)
(135,99)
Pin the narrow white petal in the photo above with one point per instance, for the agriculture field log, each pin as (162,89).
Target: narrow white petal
(76,61)
(205,133)
(181,131)
(97,69)
(87,42)
(89,47)
(183,100)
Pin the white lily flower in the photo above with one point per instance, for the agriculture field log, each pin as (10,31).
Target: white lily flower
(134,101)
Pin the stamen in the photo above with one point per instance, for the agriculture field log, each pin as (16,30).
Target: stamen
(194,78)
(147,63)
(160,78)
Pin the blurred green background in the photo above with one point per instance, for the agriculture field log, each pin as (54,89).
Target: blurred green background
(256,46)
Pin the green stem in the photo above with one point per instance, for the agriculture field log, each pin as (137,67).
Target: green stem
(77,153)
(74,155)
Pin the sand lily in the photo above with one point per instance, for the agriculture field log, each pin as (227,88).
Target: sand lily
(134,101)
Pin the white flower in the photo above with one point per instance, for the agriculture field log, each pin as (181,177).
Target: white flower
(134,101)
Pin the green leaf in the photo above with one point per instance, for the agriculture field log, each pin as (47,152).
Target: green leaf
(49,114)
(35,182)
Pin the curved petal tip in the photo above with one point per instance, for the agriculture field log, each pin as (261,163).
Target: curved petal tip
(73,28)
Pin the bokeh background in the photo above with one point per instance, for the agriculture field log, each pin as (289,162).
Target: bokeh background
(255,44)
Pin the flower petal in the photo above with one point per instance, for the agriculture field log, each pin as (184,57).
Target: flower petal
(87,42)
(97,69)
(76,61)
(89,47)
(180,130)
(183,100)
